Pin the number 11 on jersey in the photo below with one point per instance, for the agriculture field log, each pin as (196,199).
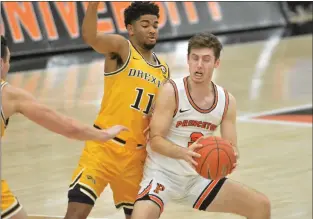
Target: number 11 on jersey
(138,99)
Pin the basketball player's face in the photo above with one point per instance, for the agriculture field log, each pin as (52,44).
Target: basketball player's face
(145,30)
(202,63)
(5,65)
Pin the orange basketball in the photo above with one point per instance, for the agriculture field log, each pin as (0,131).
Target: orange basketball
(217,157)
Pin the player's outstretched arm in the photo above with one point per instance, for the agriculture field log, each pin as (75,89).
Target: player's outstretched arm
(16,100)
(100,42)
(161,122)
(228,125)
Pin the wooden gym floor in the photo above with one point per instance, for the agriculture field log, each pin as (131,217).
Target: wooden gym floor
(266,77)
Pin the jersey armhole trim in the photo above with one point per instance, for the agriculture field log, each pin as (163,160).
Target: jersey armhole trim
(226,104)
(176,96)
(168,70)
(3,84)
(123,66)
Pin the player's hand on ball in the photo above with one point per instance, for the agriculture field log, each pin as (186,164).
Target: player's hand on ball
(237,157)
(189,154)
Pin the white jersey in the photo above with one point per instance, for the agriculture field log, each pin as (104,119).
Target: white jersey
(189,123)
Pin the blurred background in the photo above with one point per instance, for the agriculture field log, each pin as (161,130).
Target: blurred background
(266,64)
(46,28)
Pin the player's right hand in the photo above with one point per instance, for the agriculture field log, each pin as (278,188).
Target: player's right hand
(189,154)
(111,132)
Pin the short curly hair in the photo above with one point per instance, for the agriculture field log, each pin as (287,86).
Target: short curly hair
(137,9)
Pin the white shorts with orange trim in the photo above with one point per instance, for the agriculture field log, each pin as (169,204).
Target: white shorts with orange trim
(194,191)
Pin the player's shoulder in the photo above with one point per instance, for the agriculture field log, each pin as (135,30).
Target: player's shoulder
(163,63)
(161,60)
(164,66)
(226,91)
(232,100)
(3,83)
(167,94)
(168,86)
(6,88)
(228,95)
(14,93)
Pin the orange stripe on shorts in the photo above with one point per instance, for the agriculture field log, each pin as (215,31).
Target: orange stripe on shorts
(205,194)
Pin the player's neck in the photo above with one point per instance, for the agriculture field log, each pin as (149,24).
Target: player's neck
(147,54)
(199,90)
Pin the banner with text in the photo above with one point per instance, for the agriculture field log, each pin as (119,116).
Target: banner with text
(43,27)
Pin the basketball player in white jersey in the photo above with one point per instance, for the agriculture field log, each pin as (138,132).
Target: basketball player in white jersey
(15,100)
(186,109)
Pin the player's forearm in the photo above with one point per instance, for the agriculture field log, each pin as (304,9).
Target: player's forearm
(83,133)
(165,147)
(78,131)
(59,123)
(89,27)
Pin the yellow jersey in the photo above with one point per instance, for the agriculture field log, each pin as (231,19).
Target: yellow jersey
(4,121)
(129,94)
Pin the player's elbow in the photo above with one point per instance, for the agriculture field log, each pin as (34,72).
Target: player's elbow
(154,142)
(88,38)
(153,147)
(93,42)
(84,36)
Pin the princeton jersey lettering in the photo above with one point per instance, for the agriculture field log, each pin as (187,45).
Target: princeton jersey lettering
(129,94)
(189,124)
(195,123)
(4,122)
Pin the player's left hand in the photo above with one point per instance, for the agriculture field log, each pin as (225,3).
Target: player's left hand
(237,158)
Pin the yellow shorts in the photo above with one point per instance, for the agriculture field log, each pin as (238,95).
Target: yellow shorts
(9,204)
(108,163)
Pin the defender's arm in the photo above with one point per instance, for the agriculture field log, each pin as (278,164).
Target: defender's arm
(15,100)
(100,42)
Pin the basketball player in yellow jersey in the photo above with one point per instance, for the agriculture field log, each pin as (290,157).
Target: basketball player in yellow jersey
(132,76)
(15,100)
